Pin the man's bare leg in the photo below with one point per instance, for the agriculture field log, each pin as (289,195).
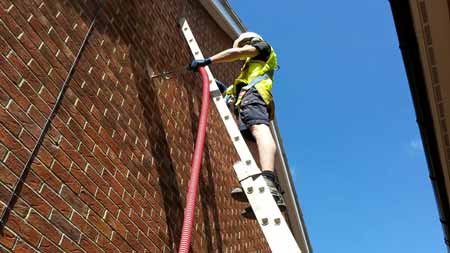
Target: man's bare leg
(267,150)
(266,146)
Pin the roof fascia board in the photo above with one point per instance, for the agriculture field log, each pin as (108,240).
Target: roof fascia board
(225,17)
(290,192)
(410,48)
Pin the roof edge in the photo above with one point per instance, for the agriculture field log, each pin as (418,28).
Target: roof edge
(401,11)
(224,15)
(290,192)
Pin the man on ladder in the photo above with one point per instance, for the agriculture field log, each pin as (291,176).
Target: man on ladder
(251,94)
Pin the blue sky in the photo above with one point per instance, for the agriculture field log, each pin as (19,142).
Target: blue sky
(348,125)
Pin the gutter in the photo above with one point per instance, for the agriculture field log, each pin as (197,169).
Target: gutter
(401,11)
(225,17)
(294,213)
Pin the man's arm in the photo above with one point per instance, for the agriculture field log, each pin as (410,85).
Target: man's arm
(234,54)
(228,55)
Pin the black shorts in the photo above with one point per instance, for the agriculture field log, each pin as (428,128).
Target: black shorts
(253,111)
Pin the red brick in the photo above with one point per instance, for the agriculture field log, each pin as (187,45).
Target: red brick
(113,182)
(69,246)
(149,245)
(21,246)
(87,142)
(91,202)
(100,224)
(124,182)
(6,176)
(134,243)
(43,226)
(33,183)
(24,71)
(9,70)
(22,152)
(20,208)
(107,245)
(55,200)
(23,229)
(69,230)
(10,88)
(122,244)
(57,153)
(44,156)
(4,98)
(10,123)
(83,179)
(116,225)
(3,249)
(130,226)
(89,246)
(43,106)
(84,226)
(11,40)
(66,177)
(22,117)
(36,115)
(7,239)
(138,221)
(48,246)
(73,200)
(46,175)
(94,175)
(119,202)
(107,203)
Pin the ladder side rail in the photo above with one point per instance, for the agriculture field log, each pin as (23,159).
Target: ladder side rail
(270,219)
(232,129)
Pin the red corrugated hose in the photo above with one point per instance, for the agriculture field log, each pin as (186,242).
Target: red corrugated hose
(191,196)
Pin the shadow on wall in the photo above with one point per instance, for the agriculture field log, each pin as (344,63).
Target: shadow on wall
(207,191)
(208,201)
(153,39)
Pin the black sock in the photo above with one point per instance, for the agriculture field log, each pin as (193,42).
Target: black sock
(268,174)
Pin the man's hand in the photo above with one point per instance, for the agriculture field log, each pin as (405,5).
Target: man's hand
(199,63)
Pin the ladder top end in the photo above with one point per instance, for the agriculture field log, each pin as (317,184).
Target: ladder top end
(181,21)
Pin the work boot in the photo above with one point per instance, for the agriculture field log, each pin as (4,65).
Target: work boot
(249,214)
(239,195)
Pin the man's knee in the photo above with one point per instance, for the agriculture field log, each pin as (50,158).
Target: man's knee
(260,130)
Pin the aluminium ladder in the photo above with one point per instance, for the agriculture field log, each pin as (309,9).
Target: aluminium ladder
(270,219)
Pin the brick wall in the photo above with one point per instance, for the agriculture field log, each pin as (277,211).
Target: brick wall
(112,172)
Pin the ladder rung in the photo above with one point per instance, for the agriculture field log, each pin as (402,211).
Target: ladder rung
(277,221)
(216,93)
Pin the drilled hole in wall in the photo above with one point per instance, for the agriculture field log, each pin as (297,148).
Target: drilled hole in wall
(149,69)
